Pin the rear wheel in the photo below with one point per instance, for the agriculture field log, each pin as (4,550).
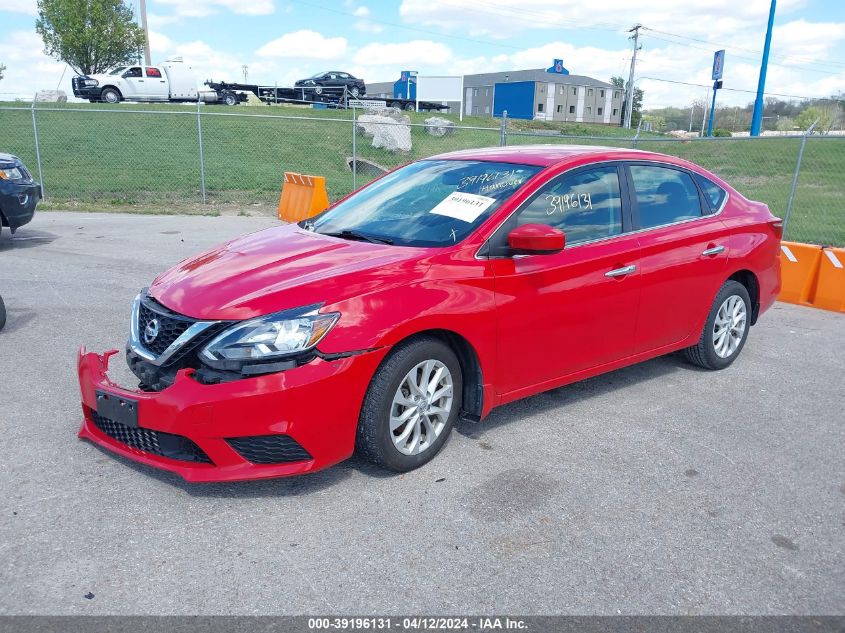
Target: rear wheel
(410,107)
(726,329)
(110,95)
(411,405)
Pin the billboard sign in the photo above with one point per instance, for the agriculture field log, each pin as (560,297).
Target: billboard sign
(718,64)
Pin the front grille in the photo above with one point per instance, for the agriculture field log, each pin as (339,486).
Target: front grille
(269,449)
(149,441)
(171,325)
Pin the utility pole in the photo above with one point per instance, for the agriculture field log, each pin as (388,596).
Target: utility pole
(245,70)
(629,96)
(143,4)
(757,117)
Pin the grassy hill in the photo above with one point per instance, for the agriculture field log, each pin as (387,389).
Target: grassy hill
(145,158)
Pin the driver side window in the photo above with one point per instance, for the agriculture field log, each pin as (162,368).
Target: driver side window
(586,205)
(135,71)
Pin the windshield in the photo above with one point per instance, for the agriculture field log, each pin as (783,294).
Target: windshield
(427,203)
(117,70)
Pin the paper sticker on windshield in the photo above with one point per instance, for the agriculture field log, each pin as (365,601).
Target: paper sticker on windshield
(463,206)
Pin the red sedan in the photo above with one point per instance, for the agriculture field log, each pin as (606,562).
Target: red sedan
(445,288)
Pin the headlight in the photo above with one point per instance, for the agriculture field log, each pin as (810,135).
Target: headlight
(11,173)
(269,338)
(92,82)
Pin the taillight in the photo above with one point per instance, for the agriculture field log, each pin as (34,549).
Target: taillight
(777,225)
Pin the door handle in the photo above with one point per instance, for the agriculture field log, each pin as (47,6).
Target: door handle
(621,272)
(713,251)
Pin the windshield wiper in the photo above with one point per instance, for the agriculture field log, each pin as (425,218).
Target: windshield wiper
(357,235)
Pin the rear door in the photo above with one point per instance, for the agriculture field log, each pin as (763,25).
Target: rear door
(156,84)
(570,311)
(683,254)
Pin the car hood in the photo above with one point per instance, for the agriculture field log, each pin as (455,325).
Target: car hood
(281,268)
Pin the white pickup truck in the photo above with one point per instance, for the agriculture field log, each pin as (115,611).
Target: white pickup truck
(174,81)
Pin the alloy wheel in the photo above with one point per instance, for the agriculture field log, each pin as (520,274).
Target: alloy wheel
(421,407)
(729,326)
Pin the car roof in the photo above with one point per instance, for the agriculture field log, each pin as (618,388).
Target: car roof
(547,155)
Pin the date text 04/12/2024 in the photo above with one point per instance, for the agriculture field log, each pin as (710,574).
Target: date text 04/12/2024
(419,623)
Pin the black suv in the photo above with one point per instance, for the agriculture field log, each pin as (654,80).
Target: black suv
(332,82)
(19,193)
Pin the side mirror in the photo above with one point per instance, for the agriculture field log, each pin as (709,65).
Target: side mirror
(536,239)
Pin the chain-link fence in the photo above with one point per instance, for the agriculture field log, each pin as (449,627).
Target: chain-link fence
(167,158)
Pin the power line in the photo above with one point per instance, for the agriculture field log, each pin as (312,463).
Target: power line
(805,68)
(742,48)
(770,94)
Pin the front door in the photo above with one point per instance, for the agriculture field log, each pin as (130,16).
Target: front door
(134,84)
(570,311)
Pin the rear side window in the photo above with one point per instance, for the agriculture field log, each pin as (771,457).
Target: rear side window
(664,195)
(153,72)
(714,195)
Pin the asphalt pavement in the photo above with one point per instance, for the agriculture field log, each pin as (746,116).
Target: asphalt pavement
(656,489)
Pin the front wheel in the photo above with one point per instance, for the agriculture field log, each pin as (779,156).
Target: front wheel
(411,405)
(726,329)
(110,95)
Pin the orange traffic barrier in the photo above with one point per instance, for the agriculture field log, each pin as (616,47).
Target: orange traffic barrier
(302,197)
(799,268)
(830,285)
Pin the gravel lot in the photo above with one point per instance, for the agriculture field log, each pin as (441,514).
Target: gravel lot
(654,489)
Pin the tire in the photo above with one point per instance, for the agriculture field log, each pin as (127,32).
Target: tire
(410,107)
(397,449)
(230,99)
(714,351)
(355,91)
(318,90)
(111,95)
(2,313)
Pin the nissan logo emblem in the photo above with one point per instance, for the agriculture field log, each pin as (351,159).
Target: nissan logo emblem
(151,331)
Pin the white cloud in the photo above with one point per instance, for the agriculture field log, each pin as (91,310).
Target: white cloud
(306,45)
(433,53)
(27,7)
(361,12)
(200,8)
(28,69)
(503,18)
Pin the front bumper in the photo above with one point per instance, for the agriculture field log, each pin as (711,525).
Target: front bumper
(18,201)
(316,405)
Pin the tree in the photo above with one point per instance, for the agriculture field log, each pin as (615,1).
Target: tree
(2,68)
(90,36)
(619,82)
(809,115)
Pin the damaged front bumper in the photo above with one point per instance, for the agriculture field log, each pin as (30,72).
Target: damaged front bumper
(274,425)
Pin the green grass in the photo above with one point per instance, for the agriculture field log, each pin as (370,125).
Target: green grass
(148,162)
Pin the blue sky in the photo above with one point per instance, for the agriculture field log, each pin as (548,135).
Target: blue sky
(282,40)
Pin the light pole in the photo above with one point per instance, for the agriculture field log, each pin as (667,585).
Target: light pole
(757,117)
(143,7)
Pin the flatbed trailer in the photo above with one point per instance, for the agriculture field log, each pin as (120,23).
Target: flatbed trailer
(330,97)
